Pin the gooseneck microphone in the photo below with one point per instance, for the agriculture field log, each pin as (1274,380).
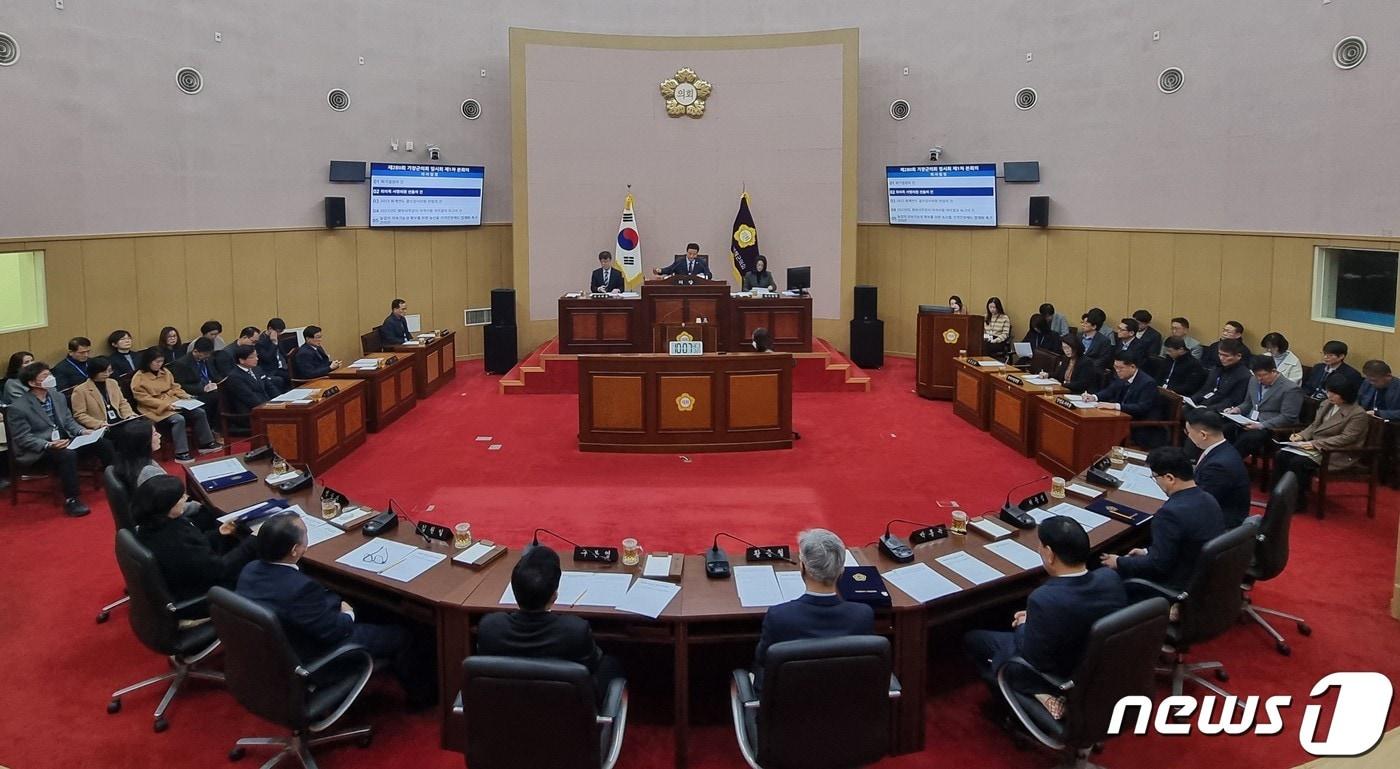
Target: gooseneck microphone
(589,553)
(895,548)
(535,539)
(1016,515)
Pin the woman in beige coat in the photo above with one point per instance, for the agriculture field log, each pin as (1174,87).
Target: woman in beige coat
(1340,424)
(98,400)
(156,393)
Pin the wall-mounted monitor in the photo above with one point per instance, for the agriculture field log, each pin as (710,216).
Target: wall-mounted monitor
(955,195)
(407,195)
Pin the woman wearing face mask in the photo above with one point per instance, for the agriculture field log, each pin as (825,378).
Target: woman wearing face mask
(13,388)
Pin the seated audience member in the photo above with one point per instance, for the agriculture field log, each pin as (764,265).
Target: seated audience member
(271,359)
(171,347)
(1177,370)
(538,633)
(1181,329)
(1379,396)
(1276,345)
(213,331)
(223,359)
(99,401)
(1097,349)
(314,619)
(1219,469)
(39,428)
(1132,392)
(1227,383)
(1271,401)
(1339,424)
(135,443)
(72,371)
(955,303)
(1187,520)
(762,340)
(1127,340)
(1232,330)
(1151,337)
(996,329)
(1058,325)
(1050,632)
(759,276)
(820,612)
(311,360)
(1334,361)
(13,387)
(190,559)
(155,391)
(394,329)
(197,374)
(1040,337)
(247,387)
(124,359)
(1077,373)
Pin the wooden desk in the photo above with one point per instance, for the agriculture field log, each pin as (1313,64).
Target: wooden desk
(1013,410)
(787,318)
(626,325)
(941,339)
(318,434)
(974,390)
(660,403)
(434,363)
(662,334)
(683,299)
(612,325)
(389,389)
(1069,439)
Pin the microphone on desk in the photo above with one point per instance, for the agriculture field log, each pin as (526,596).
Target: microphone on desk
(383,522)
(255,452)
(1016,515)
(304,478)
(899,551)
(590,553)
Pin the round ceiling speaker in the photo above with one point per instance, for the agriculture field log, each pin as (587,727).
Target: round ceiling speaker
(899,109)
(9,50)
(1026,98)
(1170,80)
(1350,51)
(338,99)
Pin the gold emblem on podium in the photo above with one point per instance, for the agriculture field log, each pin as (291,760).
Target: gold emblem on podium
(685,94)
(950,336)
(684,336)
(685,402)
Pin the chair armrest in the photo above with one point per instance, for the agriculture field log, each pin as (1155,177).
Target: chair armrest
(1060,684)
(1175,596)
(743,688)
(895,689)
(612,701)
(188,603)
(457,708)
(337,654)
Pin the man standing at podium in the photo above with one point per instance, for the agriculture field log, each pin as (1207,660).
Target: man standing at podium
(606,279)
(690,264)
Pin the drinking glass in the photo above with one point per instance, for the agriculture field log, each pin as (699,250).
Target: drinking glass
(631,552)
(462,536)
(1116,456)
(329,508)
(1057,487)
(959,522)
(279,465)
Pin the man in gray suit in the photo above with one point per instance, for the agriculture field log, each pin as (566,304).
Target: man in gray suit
(1273,400)
(40,427)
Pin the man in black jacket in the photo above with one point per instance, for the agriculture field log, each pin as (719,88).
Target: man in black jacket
(270,357)
(1219,470)
(394,329)
(1334,361)
(245,388)
(1178,370)
(1096,347)
(198,375)
(311,359)
(1187,520)
(1227,384)
(72,370)
(607,279)
(1151,337)
(1126,340)
(1233,330)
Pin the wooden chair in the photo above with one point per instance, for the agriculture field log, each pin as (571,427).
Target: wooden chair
(1367,466)
(1170,407)
(1043,360)
(27,480)
(370,342)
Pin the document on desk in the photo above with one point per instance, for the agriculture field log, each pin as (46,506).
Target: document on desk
(1078,402)
(989,363)
(297,394)
(1240,419)
(366,363)
(472,553)
(966,565)
(1016,553)
(920,582)
(377,555)
(416,563)
(1086,518)
(1041,381)
(508,597)
(1140,483)
(1084,490)
(605,589)
(85,440)
(757,586)
(790,582)
(572,585)
(851,561)
(223,468)
(648,597)
(657,566)
(317,530)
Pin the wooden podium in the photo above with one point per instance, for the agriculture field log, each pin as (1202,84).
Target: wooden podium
(942,337)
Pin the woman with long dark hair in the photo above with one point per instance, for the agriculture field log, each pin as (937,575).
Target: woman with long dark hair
(996,328)
(13,388)
(192,561)
(1077,373)
(170,344)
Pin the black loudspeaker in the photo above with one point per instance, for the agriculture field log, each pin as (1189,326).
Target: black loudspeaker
(335,212)
(867,305)
(503,306)
(500,348)
(868,343)
(1040,210)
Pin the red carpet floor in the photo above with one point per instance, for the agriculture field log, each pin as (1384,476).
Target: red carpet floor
(864,458)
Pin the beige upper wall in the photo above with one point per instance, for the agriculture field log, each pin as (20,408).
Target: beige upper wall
(1267,134)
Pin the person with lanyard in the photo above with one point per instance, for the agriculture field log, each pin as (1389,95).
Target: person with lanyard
(1379,395)
(98,401)
(1227,384)
(1334,361)
(197,375)
(271,360)
(1177,369)
(1272,401)
(124,360)
(41,428)
(1340,424)
(73,370)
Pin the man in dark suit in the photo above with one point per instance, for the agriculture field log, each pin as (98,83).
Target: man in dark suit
(40,427)
(1334,361)
(1379,395)
(1227,384)
(1096,348)
(314,619)
(394,329)
(606,279)
(1051,631)
(245,388)
(1272,400)
(1219,469)
(690,264)
(1187,520)
(820,612)
(197,375)
(1233,330)
(1126,340)
(1177,369)
(311,359)
(270,357)
(223,359)
(538,633)
(1133,392)
(72,370)
(1151,337)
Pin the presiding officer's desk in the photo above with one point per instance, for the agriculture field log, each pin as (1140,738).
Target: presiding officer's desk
(316,434)
(389,389)
(434,362)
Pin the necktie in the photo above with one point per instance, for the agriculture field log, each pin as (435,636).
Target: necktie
(606,274)
(690,266)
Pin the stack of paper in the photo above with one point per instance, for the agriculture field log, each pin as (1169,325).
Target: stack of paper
(965,565)
(377,555)
(297,394)
(1077,401)
(762,586)
(1088,519)
(212,471)
(1240,419)
(657,566)
(366,364)
(648,597)
(188,404)
(83,440)
(1138,480)
(920,582)
(1016,553)
(1084,490)
(1040,380)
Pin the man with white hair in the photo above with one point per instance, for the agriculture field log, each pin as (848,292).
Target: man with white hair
(820,612)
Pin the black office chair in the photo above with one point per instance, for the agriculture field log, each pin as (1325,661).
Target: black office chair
(1271,556)
(1120,654)
(119,503)
(1209,606)
(507,699)
(1043,360)
(266,677)
(787,725)
(154,618)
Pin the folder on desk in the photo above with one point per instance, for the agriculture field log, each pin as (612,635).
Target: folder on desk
(223,474)
(1120,512)
(863,584)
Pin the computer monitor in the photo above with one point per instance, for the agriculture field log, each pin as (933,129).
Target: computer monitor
(941,308)
(799,279)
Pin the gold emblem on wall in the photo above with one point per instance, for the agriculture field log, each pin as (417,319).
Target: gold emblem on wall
(685,94)
(685,402)
(950,336)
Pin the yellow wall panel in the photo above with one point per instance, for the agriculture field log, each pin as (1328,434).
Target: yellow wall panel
(1196,290)
(255,280)
(919,266)
(989,274)
(1246,284)
(450,255)
(337,279)
(1025,272)
(209,273)
(1107,277)
(109,289)
(1150,276)
(298,301)
(161,297)
(11,343)
(413,273)
(1292,297)
(1067,265)
(952,265)
(375,268)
